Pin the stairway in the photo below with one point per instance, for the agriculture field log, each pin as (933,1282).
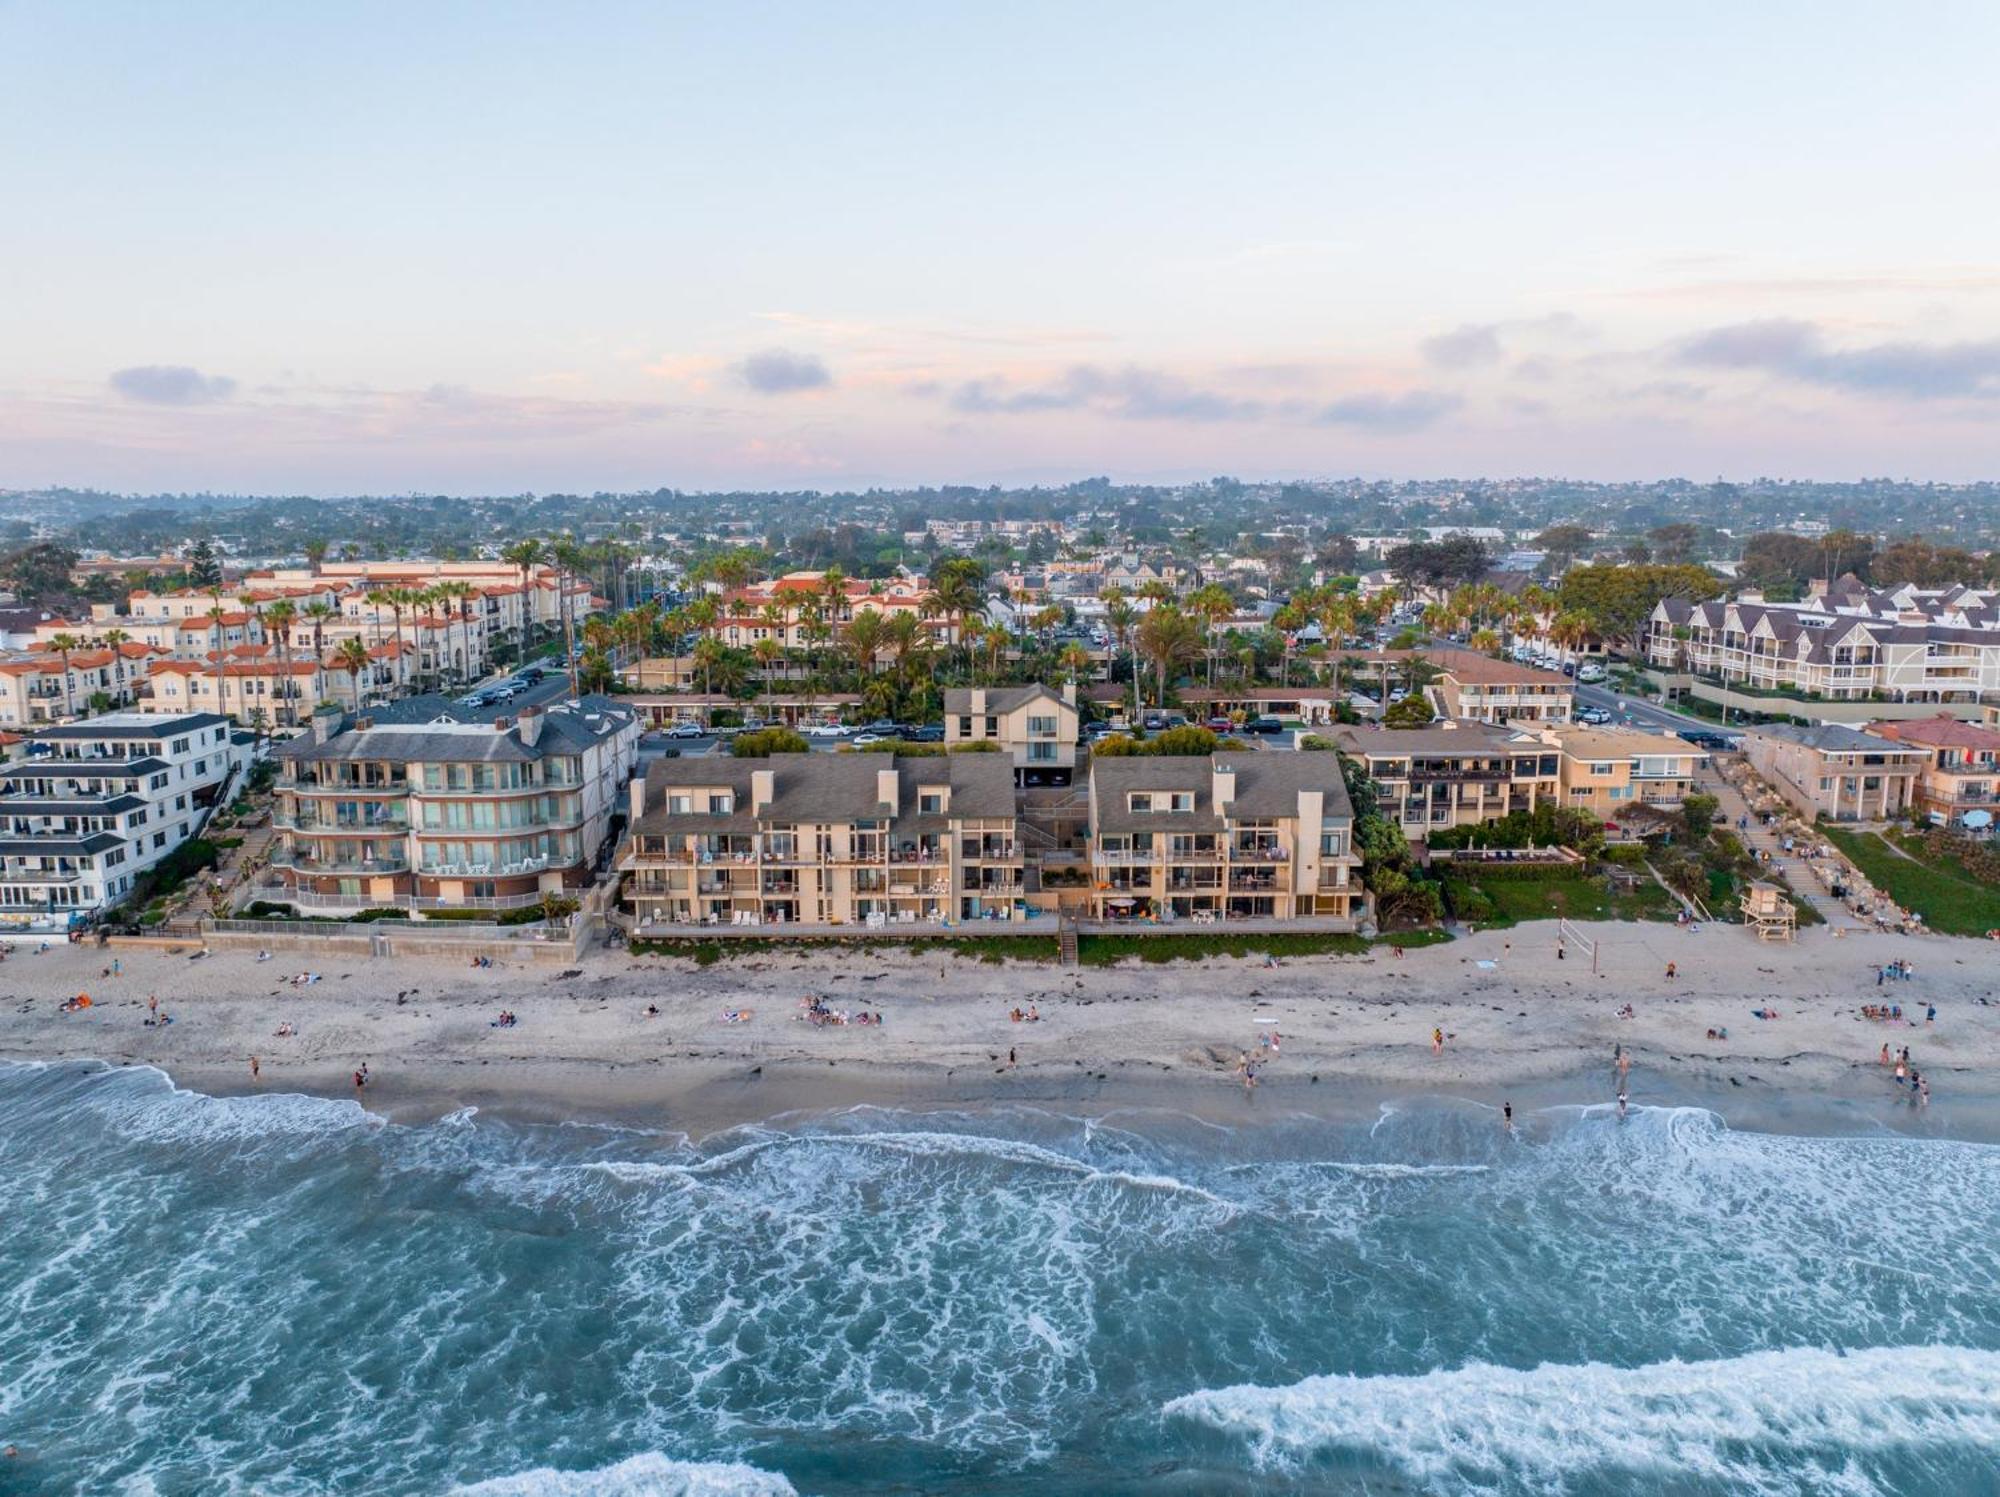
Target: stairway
(1066,941)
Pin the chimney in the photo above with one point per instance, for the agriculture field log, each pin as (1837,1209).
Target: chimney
(529,726)
(888,789)
(1069,692)
(978,701)
(1222,786)
(763,789)
(325,723)
(638,797)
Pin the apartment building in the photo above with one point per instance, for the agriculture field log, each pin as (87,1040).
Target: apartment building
(1035,726)
(40,687)
(1959,785)
(1454,774)
(1836,772)
(1478,688)
(1845,644)
(96,804)
(795,608)
(1239,835)
(1608,770)
(859,839)
(431,806)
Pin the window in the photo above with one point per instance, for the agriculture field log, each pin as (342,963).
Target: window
(722,804)
(930,802)
(965,727)
(1603,770)
(680,805)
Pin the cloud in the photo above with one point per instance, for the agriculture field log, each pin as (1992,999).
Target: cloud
(171,384)
(1464,347)
(1130,394)
(1411,411)
(777,371)
(1797,350)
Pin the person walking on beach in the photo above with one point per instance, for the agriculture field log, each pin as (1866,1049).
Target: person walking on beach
(253,1068)
(1623,1102)
(1622,1059)
(153,1004)
(1507,1116)
(1671,971)
(1437,1041)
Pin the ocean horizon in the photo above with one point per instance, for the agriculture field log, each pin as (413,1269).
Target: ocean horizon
(288,1295)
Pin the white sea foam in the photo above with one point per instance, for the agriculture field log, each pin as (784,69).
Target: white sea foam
(642,1476)
(1719,1421)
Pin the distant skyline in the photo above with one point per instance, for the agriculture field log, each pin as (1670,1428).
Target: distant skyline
(498,248)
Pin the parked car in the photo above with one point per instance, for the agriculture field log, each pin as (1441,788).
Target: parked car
(925,733)
(825,730)
(686,730)
(476,699)
(1590,673)
(1219,724)
(1263,725)
(532,674)
(1152,722)
(882,727)
(1592,716)
(868,740)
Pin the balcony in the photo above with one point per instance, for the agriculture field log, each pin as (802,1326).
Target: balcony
(303,820)
(517,868)
(306,862)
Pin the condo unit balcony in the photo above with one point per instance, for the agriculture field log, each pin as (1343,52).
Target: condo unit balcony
(312,816)
(986,849)
(918,853)
(312,779)
(1126,857)
(1265,849)
(1252,880)
(498,868)
(302,860)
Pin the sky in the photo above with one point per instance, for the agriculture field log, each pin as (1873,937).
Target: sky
(444,248)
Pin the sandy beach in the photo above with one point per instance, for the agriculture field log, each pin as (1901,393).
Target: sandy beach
(1519,1024)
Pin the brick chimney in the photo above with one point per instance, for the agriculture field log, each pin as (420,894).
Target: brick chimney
(529,726)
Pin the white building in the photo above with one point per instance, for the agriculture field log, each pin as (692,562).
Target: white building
(94,804)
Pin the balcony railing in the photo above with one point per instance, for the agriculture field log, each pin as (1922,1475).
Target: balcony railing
(308,821)
(310,863)
(487,870)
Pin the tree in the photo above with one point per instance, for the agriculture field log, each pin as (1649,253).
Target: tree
(1338,552)
(318,612)
(1617,601)
(1676,542)
(1169,639)
(352,657)
(204,568)
(1915,562)
(316,550)
(39,572)
(1563,543)
(1775,559)
(1412,711)
(525,555)
(278,619)
(1457,558)
(62,643)
(765,742)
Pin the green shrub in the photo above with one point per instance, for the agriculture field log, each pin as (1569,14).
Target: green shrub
(765,742)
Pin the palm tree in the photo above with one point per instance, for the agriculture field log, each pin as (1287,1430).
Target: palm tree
(958,587)
(525,555)
(1121,617)
(1169,639)
(864,639)
(707,655)
(319,611)
(352,657)
(316,550)
(570,560)
(390,598)
(767,652)
(1288,621)
(62,643)
(1075,661)
(216,614)
(279,617)
(113,639)
(1211,604)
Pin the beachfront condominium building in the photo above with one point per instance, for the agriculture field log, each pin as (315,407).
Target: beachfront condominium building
(1453,774)
(92,805)
(1845,643)
(849,839)
(455,811)
(1840,773)
(1035,726)
(1959,785)
(1238,834)
(1479,688)
(1608,770)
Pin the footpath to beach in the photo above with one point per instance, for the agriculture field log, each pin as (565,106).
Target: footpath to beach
(585,1044)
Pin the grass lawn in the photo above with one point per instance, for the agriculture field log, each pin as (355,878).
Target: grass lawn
(1517,899)
(1946,896)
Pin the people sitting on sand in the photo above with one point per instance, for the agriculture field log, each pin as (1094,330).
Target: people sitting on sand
(1034,1014)
(284,1031)
(1764,1013)
(1718,1033)
(1627,1012)
(652,1010)
(506,1020)
(1016,1017)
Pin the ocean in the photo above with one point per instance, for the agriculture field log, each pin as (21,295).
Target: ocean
(280,1295)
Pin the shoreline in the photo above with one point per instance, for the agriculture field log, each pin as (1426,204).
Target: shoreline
(1520,1025)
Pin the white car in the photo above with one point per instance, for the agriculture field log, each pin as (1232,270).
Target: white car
(863,740)
(1589,673)
(686,730)
(826,730)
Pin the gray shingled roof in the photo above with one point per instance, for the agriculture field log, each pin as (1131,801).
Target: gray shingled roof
(999,699)
(832,788)
(1267,787)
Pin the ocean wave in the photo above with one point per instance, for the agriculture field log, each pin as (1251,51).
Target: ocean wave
(1774,1421)
(647,1475)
